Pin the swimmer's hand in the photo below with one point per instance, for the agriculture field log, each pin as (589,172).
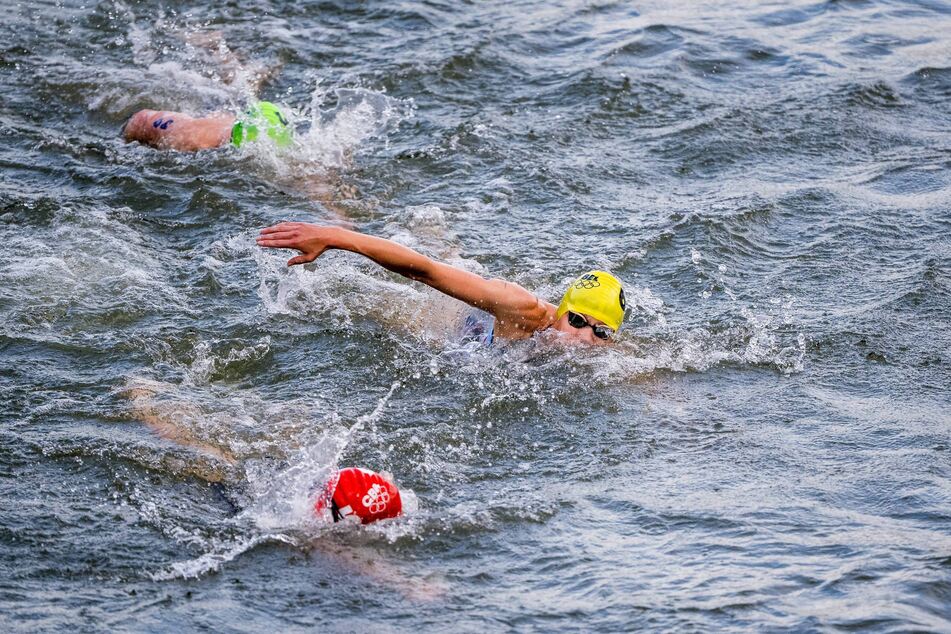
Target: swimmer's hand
(310,240)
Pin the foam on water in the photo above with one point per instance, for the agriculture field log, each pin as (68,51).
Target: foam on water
(88,257)
(357,116)
(220,554)
(207,365)
(342,288)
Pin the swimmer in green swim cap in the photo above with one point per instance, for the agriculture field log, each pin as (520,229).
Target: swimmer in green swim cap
(178,131)
(263,121)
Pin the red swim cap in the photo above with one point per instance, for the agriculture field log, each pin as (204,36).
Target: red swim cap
(361,494)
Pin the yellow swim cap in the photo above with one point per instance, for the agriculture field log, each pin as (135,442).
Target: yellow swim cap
(597,294)
(263,114)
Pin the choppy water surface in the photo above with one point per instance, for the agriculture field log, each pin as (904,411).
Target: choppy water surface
(767,446)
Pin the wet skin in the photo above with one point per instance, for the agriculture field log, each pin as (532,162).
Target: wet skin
(519,313)
(168,130)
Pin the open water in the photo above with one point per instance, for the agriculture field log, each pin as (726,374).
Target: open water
(767,447)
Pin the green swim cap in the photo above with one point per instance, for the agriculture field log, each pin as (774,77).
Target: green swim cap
(263,114)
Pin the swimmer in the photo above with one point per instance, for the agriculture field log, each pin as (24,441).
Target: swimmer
(184,132)
(349,495)
(168,130)
(591,310)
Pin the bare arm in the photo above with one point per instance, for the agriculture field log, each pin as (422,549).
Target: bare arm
(519,313)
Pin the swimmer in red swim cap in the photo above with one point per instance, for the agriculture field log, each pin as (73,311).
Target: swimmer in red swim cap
(355,494)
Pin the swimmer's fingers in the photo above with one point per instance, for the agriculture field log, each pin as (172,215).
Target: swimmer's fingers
(287,240)
(306,238)
(287,235)
(309,253)
(283,227)
(302,259)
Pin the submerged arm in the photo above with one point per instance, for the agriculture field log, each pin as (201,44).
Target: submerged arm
(518,311)
(170,420)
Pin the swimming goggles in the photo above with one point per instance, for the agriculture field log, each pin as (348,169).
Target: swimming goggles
(577,320)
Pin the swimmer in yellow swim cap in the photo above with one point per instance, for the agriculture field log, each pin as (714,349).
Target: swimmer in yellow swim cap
(168,130)
(591,310)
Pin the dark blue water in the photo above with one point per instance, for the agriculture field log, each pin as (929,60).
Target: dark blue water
(768,446)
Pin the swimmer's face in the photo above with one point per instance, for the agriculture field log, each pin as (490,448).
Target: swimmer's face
(583,334)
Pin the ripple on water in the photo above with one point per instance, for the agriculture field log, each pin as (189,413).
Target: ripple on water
(764,448)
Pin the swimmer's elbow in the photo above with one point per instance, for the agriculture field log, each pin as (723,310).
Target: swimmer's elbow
(423,270)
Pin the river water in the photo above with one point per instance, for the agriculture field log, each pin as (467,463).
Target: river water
(766,447)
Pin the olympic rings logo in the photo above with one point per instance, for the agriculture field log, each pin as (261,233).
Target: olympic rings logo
(376,499)
(587,281)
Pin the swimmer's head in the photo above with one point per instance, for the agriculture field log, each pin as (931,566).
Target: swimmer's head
(262,115)
(593,307)
(138,126)
(359,495)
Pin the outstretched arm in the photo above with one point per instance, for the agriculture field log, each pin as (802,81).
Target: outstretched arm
(519,313)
